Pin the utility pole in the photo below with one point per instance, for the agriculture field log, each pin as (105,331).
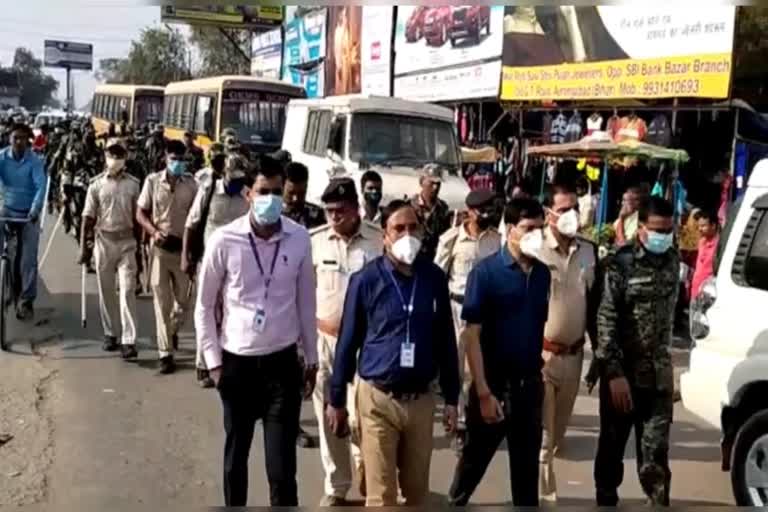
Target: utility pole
(69,97)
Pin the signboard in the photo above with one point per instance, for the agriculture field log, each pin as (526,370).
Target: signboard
(66,54)
(605,52)
(342,60)
(376,50)
(304,52)
(435,41)
(267,49)
(252,96)
(250,17)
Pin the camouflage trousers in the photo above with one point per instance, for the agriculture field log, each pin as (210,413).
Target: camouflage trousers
(651,419)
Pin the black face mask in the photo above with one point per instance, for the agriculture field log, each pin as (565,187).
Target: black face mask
(234,187)
(484,221)
(218,163)
(372,197)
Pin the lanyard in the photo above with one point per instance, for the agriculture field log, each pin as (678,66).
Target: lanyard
(267,280)
(408,308)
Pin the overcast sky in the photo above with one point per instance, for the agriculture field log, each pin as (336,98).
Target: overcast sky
(109,25)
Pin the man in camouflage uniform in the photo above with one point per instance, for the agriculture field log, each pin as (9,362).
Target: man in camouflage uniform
(435,215)
(635,321)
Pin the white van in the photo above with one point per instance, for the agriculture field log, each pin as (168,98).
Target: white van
(348,135)
(727,383)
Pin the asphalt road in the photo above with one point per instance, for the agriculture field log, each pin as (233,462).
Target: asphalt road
(89,429)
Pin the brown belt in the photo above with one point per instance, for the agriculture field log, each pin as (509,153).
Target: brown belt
(559,348)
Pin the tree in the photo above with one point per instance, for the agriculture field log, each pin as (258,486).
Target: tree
(37,88)
(750,66)
(221,55)
(158,57)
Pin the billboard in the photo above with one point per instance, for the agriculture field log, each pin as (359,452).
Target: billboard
(435,42)
(249,17)
(266,54)
(304,52)
(605,52)
(342,60)
(376,50)
(66,54)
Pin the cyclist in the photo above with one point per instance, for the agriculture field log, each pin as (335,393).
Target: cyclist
(22,177)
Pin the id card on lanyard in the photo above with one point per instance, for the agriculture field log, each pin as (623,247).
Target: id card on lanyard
(260,319)
(407,349)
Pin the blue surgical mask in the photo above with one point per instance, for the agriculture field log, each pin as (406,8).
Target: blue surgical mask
(659,243)
(266,209)
(177,167)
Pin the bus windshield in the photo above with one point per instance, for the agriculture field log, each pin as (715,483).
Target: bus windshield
(256,117)
(393,139)
(148,109)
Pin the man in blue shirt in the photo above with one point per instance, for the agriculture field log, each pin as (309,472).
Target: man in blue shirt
(397,315)
(505,307)
(23,184)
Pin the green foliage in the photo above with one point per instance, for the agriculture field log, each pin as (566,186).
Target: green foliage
(38,89)
(219,54)
(750,66)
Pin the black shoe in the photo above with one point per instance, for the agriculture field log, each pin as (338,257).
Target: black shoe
(304,440)
(175,342)
(204,379)
(25,312)
(110,344)
(129,352)
(167,365)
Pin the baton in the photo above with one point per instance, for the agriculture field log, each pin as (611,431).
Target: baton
(51,237)
(83,314)
(45,205)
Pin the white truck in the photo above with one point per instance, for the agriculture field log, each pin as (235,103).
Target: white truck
(727,382)
(348,135)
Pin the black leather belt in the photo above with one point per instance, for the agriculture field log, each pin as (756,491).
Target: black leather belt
(400,396)
(457,298)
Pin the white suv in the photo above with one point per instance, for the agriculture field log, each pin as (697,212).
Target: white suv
(727,383)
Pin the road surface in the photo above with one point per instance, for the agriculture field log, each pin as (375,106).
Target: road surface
(90,429)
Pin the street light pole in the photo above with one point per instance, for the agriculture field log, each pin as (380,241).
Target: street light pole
(69,100)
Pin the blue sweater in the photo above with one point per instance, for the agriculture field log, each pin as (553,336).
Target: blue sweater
(23,182)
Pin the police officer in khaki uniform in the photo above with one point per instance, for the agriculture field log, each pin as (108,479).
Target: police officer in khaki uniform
(458,250)
(339,249)
(166,198)
(110,209)
(219,201)
(573,303)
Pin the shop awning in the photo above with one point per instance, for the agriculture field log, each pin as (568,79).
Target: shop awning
(599,147)
(485,154)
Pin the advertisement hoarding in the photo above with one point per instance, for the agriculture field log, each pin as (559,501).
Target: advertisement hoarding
(376,50)
(342,60)
(266,54)
(435,41)
(249,17)
(304,52)
(66,54)
(604,52)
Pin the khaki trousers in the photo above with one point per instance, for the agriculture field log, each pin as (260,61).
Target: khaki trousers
(562,376)
(396,440)
(336,454)
(465,376)
(116,259)
(170,289)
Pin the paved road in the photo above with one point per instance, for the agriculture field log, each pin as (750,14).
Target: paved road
(90,429)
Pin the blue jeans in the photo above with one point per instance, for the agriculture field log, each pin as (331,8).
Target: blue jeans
(28,244)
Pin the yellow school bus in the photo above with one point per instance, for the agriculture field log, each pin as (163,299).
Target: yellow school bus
(134,104)
(253,107)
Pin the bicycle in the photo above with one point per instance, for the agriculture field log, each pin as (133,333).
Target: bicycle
(10,287)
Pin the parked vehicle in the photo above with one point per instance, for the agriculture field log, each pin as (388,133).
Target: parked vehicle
(727,382)
(348,135)
(468,22)
(437,22)
(414,27)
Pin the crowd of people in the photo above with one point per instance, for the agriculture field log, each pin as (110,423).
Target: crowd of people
(373,311)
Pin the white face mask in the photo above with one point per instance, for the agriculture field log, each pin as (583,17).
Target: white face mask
(568,223)
(406,249)
(115,165)
(531,243)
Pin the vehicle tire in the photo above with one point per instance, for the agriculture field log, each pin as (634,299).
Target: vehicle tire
(478,29)
(3,299)
(744,448)
(453,41)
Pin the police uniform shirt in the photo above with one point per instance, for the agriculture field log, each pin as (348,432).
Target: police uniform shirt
(110,200)
(458,252)
(223,208)
(336,259)
(169,207)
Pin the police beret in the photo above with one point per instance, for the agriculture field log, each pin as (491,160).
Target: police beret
(339,189)
(479,198)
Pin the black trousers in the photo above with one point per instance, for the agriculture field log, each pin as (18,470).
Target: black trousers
(266,388)
(522,403)
(651,419)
